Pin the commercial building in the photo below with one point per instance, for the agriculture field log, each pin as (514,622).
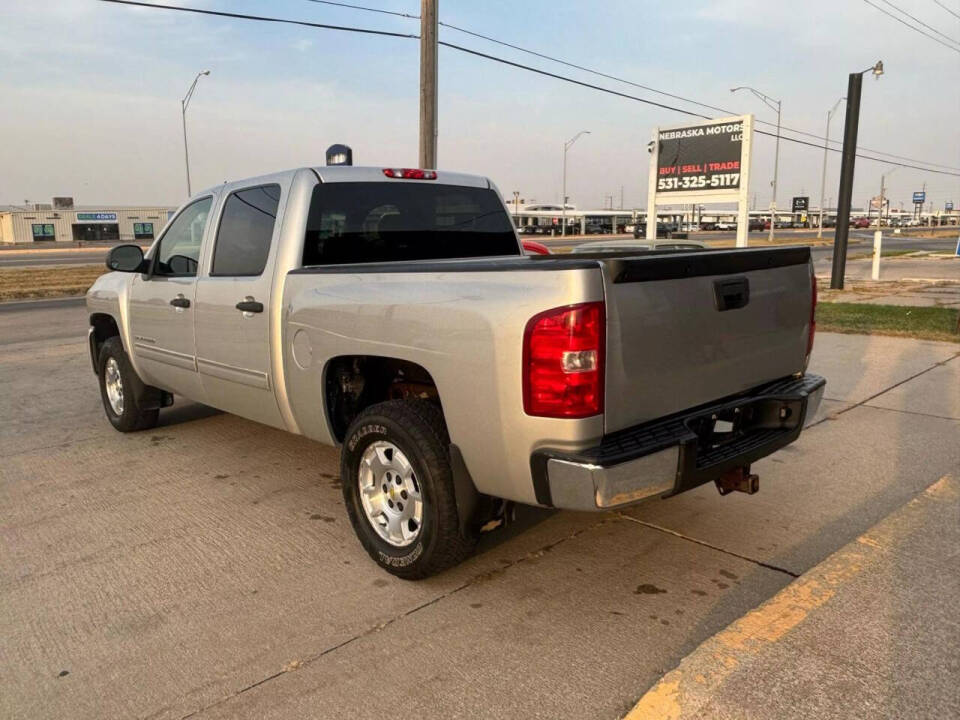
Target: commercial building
(60,221)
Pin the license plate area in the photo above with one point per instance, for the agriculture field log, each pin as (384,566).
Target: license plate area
(737,427)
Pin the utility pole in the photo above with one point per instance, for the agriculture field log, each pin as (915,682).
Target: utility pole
(845,195)
(823,176)
(428,84)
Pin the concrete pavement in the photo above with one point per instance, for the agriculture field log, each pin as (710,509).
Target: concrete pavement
(206,568)
(871,632)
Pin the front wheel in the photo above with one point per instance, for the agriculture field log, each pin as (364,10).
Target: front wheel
(398,489)
(118,385)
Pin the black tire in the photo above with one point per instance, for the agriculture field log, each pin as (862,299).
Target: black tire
(133,417)
(416,428)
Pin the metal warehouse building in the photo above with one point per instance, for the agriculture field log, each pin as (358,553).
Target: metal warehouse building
(62,222)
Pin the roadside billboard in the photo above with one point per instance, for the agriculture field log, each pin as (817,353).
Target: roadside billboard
(707,162)
(919,198)
(801,204)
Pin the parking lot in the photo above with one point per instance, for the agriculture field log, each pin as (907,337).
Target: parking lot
(207,569)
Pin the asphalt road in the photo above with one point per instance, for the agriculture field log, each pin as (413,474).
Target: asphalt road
(206,567)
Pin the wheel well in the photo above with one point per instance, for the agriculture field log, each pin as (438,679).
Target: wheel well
(104,328)
(355,382)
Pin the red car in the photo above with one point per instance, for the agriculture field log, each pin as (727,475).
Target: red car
(532,247)
(861,223)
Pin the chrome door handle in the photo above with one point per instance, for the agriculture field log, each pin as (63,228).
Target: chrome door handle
(249,305)
(180,302)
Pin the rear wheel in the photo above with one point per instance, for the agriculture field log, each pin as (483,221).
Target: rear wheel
(118,390)
(398,489)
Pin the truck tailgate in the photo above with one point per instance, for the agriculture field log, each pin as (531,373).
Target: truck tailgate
(684,329)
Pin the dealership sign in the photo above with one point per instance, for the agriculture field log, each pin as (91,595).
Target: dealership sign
(96,217)
(700,158)
(708,162)
(801,204)
(948,206)
(919,198)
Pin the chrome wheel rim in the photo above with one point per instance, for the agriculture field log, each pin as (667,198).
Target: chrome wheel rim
(390,494)
(114,386)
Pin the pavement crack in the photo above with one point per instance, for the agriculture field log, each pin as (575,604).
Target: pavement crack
(474,580)
(865,401)
(680,535)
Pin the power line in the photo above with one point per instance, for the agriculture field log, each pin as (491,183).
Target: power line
(668,107)
(630,82)
(262,18)
(912,27)
(920,22)
(493,58)
(674,96)
(367,9)
(947,9)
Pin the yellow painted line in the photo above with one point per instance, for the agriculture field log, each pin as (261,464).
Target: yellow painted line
(683,692)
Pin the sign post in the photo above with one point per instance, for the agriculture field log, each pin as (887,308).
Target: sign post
(699,164)
(919,198)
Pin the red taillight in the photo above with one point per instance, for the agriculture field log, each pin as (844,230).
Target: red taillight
(813,314)
(410,173)
(563,362)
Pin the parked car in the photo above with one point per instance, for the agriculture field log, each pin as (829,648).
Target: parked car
(829,222)
(725,225)
(391,312)
(664,230)
(532,247)
(860,223)
(756,224)
(629,246)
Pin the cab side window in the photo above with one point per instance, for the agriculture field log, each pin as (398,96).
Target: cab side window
(245,232)
(179,251)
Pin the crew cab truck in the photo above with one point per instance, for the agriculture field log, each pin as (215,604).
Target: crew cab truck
(391,312)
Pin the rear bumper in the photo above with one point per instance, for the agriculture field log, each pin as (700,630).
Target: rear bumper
(678,453)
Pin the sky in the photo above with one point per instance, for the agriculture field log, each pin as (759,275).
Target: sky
(91,93)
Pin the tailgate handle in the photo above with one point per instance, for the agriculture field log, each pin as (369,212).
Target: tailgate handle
(731,294)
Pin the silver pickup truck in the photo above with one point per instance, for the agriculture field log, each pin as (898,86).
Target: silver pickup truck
(391,312)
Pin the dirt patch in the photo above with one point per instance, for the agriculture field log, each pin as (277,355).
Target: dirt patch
(48,282)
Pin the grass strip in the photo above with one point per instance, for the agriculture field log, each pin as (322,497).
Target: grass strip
(924,323)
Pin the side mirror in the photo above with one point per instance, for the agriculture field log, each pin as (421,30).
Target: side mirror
(125,258)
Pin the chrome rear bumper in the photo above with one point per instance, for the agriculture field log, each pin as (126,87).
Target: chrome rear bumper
(674,454)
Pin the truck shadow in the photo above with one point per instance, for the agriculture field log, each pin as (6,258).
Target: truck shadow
(184,411)
(523,518)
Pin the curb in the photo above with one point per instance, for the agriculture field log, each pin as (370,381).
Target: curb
(686,691)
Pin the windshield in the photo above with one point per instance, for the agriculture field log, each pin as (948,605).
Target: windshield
(395,221)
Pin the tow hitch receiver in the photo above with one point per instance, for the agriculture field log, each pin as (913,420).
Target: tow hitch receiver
(739,479)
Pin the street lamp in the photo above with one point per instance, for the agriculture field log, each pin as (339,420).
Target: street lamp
(823,176)
(183,111)
(883,179)
(563,204)
(845,195)
(773,105)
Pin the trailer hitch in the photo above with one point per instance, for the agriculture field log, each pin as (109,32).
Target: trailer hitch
(739,479)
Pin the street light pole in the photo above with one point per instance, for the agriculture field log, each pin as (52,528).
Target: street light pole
(883,182)
(183,112)
(823,176)
(778,106)
(563,200)
(845,194)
